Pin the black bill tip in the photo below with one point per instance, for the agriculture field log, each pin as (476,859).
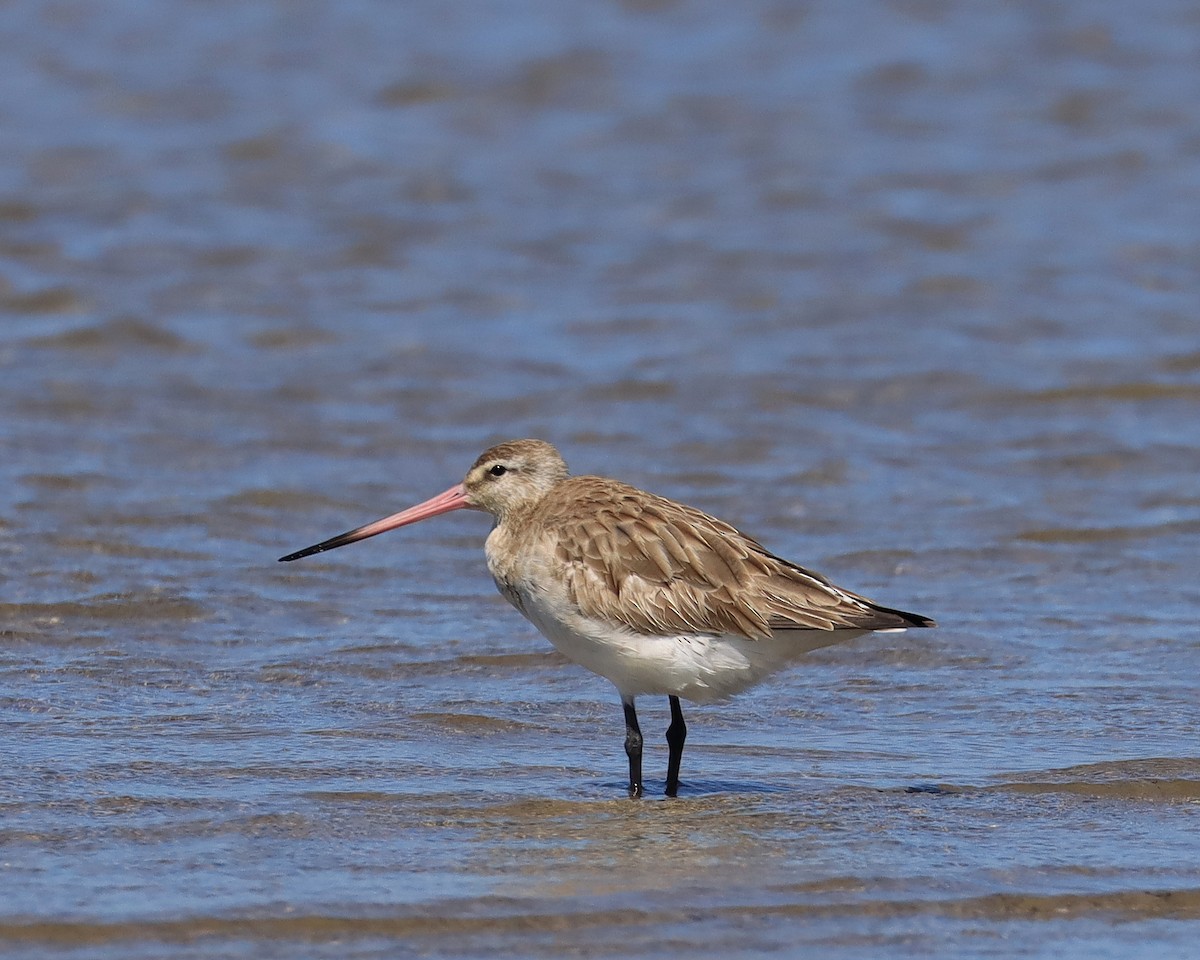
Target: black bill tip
(321,547)
(306,552)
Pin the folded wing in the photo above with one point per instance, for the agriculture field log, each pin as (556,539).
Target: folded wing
(657,566)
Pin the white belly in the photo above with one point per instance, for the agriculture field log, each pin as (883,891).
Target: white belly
(698,667)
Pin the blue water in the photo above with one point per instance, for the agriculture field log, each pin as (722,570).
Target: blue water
(904,289)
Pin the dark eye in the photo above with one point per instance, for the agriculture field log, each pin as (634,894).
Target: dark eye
(498,470)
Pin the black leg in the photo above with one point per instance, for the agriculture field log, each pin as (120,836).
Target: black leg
(676,734)
(633,748)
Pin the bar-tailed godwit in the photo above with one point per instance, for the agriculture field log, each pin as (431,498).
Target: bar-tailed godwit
(656,596)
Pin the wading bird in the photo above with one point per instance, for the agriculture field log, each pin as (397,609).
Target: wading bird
(656,596)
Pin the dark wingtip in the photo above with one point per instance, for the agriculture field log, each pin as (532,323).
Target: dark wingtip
(909,619)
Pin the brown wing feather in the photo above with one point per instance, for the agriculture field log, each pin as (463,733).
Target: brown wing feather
(657,566)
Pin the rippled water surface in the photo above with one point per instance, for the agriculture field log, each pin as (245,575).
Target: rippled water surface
(907,289)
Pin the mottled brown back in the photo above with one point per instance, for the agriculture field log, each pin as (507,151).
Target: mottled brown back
(657,566)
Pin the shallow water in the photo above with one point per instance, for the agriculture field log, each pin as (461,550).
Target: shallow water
(905,289)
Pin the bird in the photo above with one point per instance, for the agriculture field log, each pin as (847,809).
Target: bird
(658,597)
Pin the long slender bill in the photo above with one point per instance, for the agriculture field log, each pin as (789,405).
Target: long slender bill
(453,499)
